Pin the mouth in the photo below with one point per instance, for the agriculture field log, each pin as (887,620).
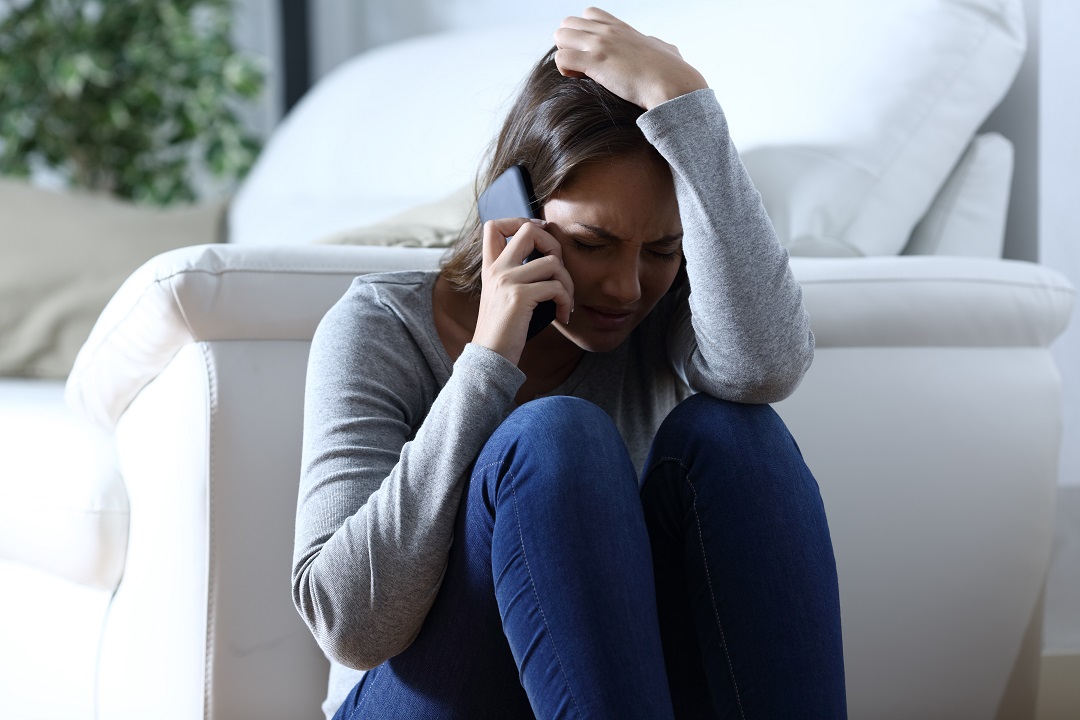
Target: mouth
(607,318)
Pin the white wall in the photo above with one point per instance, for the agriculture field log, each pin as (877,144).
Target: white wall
(1059,241)
(346,27)
(1059,183)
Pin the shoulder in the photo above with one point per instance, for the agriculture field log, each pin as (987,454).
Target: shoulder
(380,317)
(386,300)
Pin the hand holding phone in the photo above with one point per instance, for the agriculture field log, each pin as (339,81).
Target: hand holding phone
(510,196)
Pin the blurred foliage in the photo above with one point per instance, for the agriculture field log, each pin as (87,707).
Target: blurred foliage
(127,97)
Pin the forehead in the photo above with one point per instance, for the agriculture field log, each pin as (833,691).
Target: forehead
(629,196)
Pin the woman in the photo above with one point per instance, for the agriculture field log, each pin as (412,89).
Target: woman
(470,523)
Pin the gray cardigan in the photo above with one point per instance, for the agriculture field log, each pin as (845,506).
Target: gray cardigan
(391,424)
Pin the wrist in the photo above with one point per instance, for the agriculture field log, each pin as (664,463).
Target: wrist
(675,88)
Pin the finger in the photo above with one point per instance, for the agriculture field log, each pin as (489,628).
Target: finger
(564,300)
(494,243)
(541,271)
(575,39)
(535,236)
(551,290)
(580,24)
(545,242)
(572,63)
(496,233)
(595,13)
(564,308)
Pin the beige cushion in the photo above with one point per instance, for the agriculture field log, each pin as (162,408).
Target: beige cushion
(435,224)
(64,255)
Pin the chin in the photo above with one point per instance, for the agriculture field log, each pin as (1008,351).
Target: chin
(596,342)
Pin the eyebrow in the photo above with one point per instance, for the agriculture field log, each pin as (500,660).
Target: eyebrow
(603,234)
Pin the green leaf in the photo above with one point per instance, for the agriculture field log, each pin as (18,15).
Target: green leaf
(132,95)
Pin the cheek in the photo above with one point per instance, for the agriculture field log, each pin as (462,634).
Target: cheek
(582,272)
(657,279)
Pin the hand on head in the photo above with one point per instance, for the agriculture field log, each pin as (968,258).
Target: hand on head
(638,68)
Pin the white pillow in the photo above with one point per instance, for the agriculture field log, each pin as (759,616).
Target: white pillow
(849,115)
(396,127)
(968,216)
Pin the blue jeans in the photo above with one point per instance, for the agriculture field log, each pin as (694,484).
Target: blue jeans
(712,592)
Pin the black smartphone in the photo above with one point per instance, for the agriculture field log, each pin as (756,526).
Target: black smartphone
(511,195)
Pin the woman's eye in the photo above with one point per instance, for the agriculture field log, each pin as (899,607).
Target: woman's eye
(666,256)
(587,247)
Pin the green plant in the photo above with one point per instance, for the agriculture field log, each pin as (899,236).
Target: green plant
(130,97)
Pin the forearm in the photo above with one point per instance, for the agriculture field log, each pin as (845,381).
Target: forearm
(365,588)
(747,336)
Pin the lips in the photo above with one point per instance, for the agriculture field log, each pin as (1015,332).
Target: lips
(607,318)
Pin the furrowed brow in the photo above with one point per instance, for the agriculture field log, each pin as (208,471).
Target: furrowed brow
(603,234)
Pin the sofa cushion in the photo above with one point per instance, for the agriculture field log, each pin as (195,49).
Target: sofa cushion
(65,254)
(849,115)
(63,507)
(968,216)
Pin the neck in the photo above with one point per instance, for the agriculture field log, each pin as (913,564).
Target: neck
(549,355)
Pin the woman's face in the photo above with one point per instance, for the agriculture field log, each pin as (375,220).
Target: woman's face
(618,224)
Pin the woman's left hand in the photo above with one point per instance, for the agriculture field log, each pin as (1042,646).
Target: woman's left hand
(639,68)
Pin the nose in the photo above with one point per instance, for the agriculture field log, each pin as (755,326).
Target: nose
(622,281)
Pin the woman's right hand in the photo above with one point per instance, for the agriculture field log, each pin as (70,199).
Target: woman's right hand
(510,291)
(638,68)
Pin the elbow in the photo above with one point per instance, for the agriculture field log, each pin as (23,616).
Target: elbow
(778,380)
(337,647)
(760,380)
(351,640)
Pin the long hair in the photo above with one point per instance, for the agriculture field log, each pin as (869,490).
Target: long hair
(556,126)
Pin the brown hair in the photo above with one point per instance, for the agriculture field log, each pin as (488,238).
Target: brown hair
(555,127)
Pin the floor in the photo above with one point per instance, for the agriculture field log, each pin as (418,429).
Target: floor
(1059,681)
(1059,688)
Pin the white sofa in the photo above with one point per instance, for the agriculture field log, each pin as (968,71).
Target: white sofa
(931,415)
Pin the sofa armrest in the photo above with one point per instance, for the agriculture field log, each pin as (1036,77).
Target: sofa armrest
(933,301)
(227,292)
(214,292)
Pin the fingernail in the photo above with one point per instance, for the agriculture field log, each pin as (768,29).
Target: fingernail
(538,221)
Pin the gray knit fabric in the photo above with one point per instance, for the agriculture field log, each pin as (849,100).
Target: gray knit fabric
(391,424)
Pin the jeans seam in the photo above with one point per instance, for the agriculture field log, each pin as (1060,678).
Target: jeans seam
(708,580)
(365,694)
(536,595)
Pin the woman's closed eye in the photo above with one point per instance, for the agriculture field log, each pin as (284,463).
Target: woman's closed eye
(660,251)
(590,246)
(665,253)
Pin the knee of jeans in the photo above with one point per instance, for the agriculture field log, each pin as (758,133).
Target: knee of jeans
(562,422)
(703,422)
(567,435)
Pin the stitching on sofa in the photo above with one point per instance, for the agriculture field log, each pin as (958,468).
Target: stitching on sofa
(211,558)
(96,698)
(158,281)
(942,280)
(709,582)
